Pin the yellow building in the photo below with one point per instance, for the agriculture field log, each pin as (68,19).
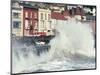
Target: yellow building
(17,19)
(44,22)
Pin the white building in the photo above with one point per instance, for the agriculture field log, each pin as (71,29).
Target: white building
(44,21)
(17,19)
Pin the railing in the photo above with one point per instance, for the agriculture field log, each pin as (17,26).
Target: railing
(28,32)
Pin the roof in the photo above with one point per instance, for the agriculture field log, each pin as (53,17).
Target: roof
(59,16)
(29,6)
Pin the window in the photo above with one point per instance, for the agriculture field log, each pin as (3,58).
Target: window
(49,17)
(26,14)
(41,16)
(16,15)
(45,16)
(50,24)
(26,24)
(35,26)
(31,14)
(42,24)
(16,24)
(35,15)
(30,22)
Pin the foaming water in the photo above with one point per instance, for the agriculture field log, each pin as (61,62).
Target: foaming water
(72,38)
(72,48)
(25,56)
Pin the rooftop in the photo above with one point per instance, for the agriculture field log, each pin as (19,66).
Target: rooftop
(59,16)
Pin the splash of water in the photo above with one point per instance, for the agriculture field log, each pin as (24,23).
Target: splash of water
(72,38)
(24,56)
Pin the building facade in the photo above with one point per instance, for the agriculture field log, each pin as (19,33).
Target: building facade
(59,16)
(17,19)
(30,20)
(44,21)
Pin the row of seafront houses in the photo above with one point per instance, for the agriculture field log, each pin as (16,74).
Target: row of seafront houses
(28,20)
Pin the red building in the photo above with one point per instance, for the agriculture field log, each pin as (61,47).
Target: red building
(79,11)
(30,20)
(60,16)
